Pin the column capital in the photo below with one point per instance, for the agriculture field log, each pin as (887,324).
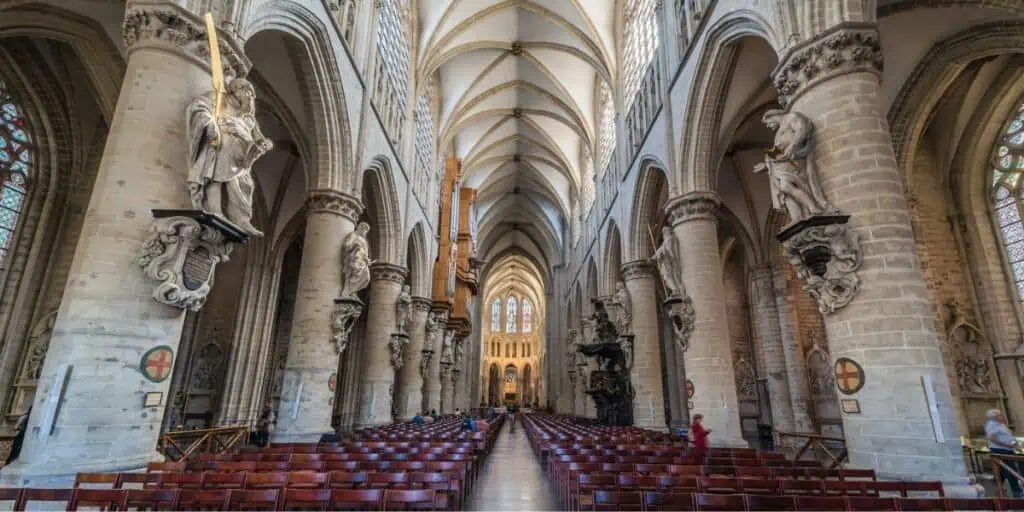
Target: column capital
(332,201)
(639,269)
(693,206)
(421,304)
(170,27)
(846,48)
(762,272)
(381,271)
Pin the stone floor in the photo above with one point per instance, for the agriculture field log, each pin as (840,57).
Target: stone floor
(512,478)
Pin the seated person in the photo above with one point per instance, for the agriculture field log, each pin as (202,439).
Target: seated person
(418,419)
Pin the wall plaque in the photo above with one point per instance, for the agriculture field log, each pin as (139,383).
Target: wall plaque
(850,405)
(849,376)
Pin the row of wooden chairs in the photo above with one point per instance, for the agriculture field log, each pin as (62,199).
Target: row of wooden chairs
(652,501)
(559,471)
(340,453)
(332,465)
(225,499)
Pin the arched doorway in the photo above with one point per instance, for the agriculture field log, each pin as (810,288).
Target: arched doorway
(510,388)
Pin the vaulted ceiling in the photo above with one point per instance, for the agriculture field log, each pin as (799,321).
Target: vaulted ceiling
(516,82)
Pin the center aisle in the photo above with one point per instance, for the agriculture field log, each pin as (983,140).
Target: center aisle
(512,478)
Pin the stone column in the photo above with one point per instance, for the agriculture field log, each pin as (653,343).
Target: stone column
(709,362)
(378,380)
(889,327)
(410,392)
(646,374)
(774,356)
(674,379)
(447,376)
(108,319)
(304,413)
(796,365)
(432,382)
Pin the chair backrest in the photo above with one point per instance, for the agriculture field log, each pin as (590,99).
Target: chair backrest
(760,486)
(924,487)
(595,481)
(1011,503)
(971,504)
(108,480)
(273,457)
(754,472)
(139,480)
(306,499)
(254,499)
(203,499)
(719,484)
(165,467)
(103,498)
(400,499)
(357,499)
(389,480)
(825,504)
(340,465)
(304,457)
(181,480)
(307,479)
(312,465)
(222,480)
(269,480)
(729,502)
(347,479)
(922,504)
(870,503)
(849,488)
(857,474)
(760,502)
(150,499)
(803,487)
(618,500)
(268,466)
(668,501)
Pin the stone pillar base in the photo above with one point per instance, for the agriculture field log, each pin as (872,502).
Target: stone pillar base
(294,436)
(62,474)
(954,486)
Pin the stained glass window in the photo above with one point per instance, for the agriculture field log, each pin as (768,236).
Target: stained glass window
(527,316)
(639,42)
(510,312)
(496,316)
(393,44)
(424,122)
(16,151)
(1008,196)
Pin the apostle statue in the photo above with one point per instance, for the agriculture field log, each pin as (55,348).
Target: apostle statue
(430,326)
(446,347)
(624,306)
(667,258)
(223,143)
(355,261)
(403,306)
(794,182)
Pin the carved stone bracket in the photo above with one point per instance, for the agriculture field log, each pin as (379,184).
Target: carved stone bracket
(826,254)
(848,47)
(334,202)
(167,26)
(455,375)
(381,271)
(397,345)
(346,311)
(183,252)
(680,312)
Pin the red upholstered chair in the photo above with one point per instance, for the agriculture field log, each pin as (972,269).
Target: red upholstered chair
(869,503)
(615,500)
(203,499)
(254,499)
(727,502)
(654,501)
(104,499)
(106,480)
(820,503)
(306,499)
(150,499)
(418,499)
(357,499)
(758,502)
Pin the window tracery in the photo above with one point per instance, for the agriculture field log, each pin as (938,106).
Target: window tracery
(606,139)
(527,316)
(1007,198)
(424,138)
(16,150)
(496,316)
(640,39)
(510,312)
(393,43)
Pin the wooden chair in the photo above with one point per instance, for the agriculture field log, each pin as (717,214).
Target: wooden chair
(586,484)
(105,499)
(446,489)
(238,466)
(304,457)
(1010,503)
(268,466)
(340,465)
(678,484)
(857,474)
(655,501)
(140,480)
(274,457)
(971,504)
(357,499)
(926,504)
(347,479)
(887,486)
(870,503)
(820,503)
(10,495)
(754,472)
(181,480)
(848,488)
(312,465)
(719,485)
(219,480)
(307,480)
(273,480)
(150,499)
(633,482)
(768,486)
(306,499)
(758,502)
(418,499)
(165,467)
(803,487)
(203,499)
(254,499)
(651,469)
(924,487)
(109,480)
(725,502)
(388,481)
(616,500)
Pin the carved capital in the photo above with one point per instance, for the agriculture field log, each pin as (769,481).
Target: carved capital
(847,48)
(639,269)
(693,206)
(337,203)
(171,28)
(182,253)
(421,304)
(387,272)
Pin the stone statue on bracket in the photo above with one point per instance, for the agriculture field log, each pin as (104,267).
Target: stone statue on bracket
(403,306)
(666,257)
(447,347)
(223,144)
(397,345)
(459,350)
(623,303)
(355,261)
(791,173)
(346,311)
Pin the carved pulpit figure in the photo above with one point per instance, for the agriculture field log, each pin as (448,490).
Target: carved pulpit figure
(624,307)
(667,258)
(355,261)
(223,144)
(403,306)
(794,182)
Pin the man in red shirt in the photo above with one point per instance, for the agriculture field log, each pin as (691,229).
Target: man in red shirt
(699,437)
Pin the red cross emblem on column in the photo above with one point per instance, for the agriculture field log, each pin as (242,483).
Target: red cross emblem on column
(157,363)
(332,383)
(849,376)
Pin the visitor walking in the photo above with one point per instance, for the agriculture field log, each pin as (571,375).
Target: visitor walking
(265,424)
(1001,441)
(699,438)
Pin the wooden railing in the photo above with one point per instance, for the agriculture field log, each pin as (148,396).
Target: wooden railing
(999,463)
(818,442)
(185,444)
